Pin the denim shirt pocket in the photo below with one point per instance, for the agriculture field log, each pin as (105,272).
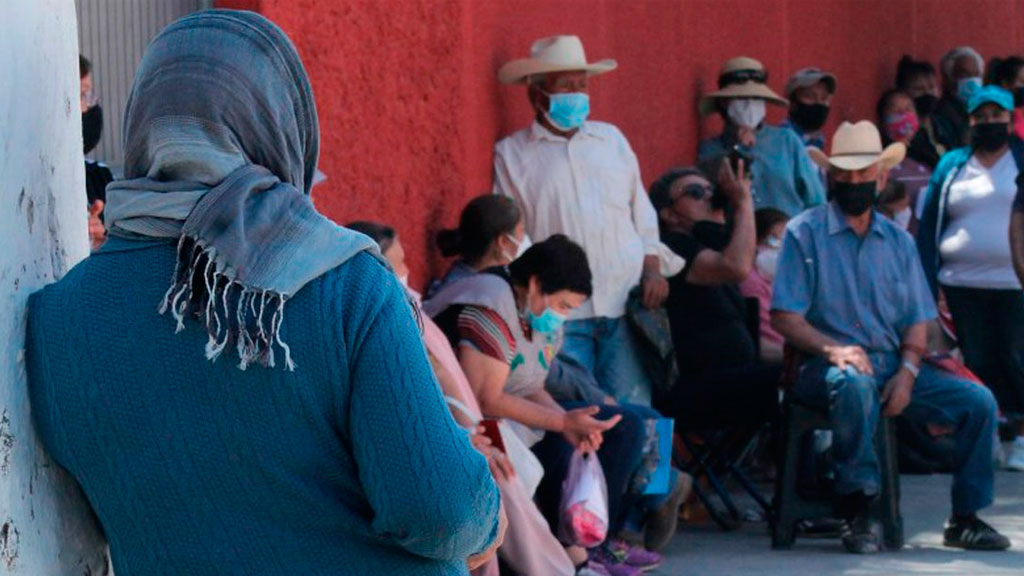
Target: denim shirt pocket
(894,302)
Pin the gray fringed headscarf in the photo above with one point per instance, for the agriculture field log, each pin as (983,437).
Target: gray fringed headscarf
(221,142)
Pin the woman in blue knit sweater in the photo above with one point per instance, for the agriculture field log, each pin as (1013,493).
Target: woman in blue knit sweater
(237,384)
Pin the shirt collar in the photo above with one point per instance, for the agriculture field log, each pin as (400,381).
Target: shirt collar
(539,132)
(837,221)
(817,140)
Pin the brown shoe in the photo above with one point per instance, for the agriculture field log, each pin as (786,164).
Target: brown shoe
(662,522)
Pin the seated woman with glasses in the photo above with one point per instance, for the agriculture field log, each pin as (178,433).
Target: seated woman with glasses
(784,176)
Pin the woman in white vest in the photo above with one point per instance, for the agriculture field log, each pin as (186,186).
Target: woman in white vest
(505,324)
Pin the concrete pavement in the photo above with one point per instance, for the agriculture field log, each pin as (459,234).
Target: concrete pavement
(704,550)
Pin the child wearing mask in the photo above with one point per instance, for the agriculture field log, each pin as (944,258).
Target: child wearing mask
(771,227)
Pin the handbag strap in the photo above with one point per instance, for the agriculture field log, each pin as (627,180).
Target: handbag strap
(462,408)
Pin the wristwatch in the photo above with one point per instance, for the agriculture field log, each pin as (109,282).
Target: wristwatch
(914,370)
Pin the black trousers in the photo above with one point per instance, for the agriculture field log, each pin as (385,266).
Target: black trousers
(990,328)
(724,397)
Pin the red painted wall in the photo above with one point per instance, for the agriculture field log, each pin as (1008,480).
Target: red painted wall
(410,107)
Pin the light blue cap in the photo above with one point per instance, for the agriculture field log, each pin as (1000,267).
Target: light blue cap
(990,94)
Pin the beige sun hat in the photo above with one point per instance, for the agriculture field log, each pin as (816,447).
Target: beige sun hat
(553,54)
(857,146)
(748,81)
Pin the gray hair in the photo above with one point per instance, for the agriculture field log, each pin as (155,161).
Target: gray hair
(951,57)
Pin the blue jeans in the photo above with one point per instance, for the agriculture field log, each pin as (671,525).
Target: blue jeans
(608,348)
(941,398)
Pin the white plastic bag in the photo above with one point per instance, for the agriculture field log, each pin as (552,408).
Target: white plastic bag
(529,470)
(583,511)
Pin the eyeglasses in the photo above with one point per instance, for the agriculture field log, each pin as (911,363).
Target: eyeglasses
(696,191)
(741,76)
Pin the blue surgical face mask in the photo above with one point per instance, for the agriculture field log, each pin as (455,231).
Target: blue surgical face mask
(568,111)
(547,322)
(966,87)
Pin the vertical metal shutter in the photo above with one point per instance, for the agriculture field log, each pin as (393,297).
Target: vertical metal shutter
(113,34)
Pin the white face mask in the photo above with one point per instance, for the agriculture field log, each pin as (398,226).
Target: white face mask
(902,218)
(521,247)
(746,112)
(767,261)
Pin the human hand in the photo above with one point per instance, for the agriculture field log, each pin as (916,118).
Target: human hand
(746,136)
(655,290)
(501,467)
(896,394)
(735,186)
(852,356)
(610,401)
(585,432)
(97,232)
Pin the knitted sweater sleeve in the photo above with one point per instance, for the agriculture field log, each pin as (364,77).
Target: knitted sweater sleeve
(430,491)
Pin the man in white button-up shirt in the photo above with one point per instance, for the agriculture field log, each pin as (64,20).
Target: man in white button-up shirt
(581,178)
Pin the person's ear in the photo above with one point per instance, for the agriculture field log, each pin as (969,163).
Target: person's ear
(538,100)
(666,215)
(883,178)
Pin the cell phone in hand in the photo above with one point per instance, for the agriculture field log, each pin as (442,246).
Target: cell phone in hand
(741,152)
(491,430)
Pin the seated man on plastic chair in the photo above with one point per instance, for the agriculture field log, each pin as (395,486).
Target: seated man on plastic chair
(849,291)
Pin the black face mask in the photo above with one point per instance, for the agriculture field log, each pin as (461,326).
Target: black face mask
(925,104)
(810,117)
(712,234)
(1018,96)
(990,136)
(92,127)
(854,199)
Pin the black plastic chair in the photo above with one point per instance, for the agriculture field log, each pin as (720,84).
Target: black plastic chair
(791,506)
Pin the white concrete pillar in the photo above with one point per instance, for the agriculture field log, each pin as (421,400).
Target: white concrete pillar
(46,527)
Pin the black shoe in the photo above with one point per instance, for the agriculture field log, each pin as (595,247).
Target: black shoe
(861,535)
(973,534)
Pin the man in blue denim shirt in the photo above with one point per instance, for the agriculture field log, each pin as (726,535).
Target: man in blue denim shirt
(850,291)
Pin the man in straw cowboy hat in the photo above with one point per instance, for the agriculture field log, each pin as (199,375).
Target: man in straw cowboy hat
(784,177)
(580,178)
(851,293)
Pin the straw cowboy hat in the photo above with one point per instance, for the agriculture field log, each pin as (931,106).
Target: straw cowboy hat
(741,78)
(857,146)
(553,54)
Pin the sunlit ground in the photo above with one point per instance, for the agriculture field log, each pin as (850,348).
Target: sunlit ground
(703,550)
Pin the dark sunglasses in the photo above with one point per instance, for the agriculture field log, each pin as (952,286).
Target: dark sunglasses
(741,76)
(697,192)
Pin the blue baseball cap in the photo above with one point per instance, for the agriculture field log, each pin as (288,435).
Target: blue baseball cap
(990,94)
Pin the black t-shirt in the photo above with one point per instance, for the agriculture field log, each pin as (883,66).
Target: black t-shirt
(709,326)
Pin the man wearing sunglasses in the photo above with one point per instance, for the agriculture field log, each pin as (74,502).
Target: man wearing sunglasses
(722,383)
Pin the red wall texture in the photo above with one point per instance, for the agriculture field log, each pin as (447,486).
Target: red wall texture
(410,107)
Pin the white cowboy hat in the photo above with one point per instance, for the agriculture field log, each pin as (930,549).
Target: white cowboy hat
(857,146)
(752,86)
(553,54)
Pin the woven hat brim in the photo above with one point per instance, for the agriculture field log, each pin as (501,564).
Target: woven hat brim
(517,71)
(892,155)
(744,90)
